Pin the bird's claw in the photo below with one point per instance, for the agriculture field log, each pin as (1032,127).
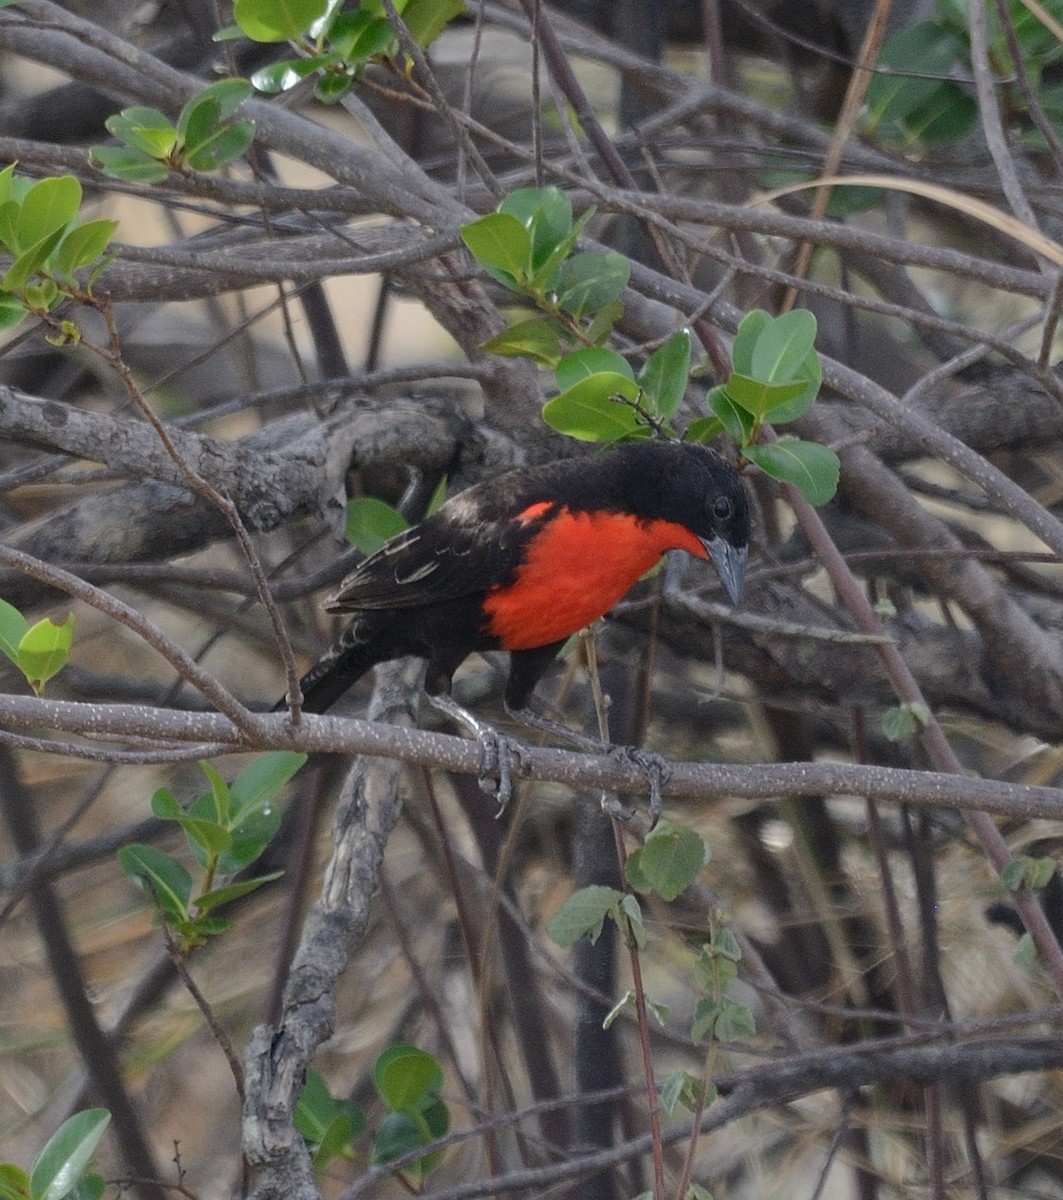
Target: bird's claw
(497,752)
(657,771)
(498,755)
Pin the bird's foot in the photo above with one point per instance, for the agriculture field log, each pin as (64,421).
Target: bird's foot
(657,772)
(654,765)
(498,752)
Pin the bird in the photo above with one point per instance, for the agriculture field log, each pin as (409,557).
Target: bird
(527,558)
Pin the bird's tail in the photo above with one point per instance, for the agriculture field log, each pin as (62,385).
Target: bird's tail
(359,648)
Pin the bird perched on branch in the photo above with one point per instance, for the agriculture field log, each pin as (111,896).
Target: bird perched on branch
(526,559)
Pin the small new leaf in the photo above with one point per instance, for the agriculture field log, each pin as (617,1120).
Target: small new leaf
(904,721)
(44,650)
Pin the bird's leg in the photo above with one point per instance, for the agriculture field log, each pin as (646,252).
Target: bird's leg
(654,765)
(498,750)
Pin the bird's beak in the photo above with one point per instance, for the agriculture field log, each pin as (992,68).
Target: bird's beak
(730,564)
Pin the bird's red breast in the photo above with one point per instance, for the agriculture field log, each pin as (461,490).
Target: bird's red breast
(575,568)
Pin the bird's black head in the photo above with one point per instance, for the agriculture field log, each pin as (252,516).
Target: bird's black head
(699,489)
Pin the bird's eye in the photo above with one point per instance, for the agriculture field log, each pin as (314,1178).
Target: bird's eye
(722,508)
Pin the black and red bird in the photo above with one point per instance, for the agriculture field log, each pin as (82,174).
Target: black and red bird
(524,560)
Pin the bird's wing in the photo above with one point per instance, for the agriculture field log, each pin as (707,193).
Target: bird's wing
(451,554)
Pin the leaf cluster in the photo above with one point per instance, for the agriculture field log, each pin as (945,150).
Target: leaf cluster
(529,246)
(39,650)
(226,828)
(41,229)
(917,105)
(408,1081)
(202,139)
(334,45)
(669,861)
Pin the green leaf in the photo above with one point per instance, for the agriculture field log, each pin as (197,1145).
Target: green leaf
(44,650)
(66,1157)
(1013,875)
(14,1182)
(143,129)
(317,1115)
(537,338)
(211,836)
(705,1013)
(1025,953)
(734,1021)
(602,323)
(222,145)
(426,19)
(83,245)
(681,1087)
(735,420)
(358,36)
(812,469)
(664,377)
(592,360)
(133,166)
(501,242)
(704,429)
(726,945)
(670,860)
(30,260)
(251,833)
(546,270)
(10,212)
(277,20)
(927,49)
(583,915)
(1024,871)
(263,778)
(627,1000)
(280,76)
(371,522)
(162,876)
(753,325)
(215,103)
(783,345)
(759,398)
(396,1136)
(547,215)
(42,296)
(404,1076)
(335,1140)
(50,205)
(587,410)
(631,911)
(232,891)
(13,628)
(330,89)
(590,280)
(217,804)
(12,310)
(949,115)
(904,721)
(9,182)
